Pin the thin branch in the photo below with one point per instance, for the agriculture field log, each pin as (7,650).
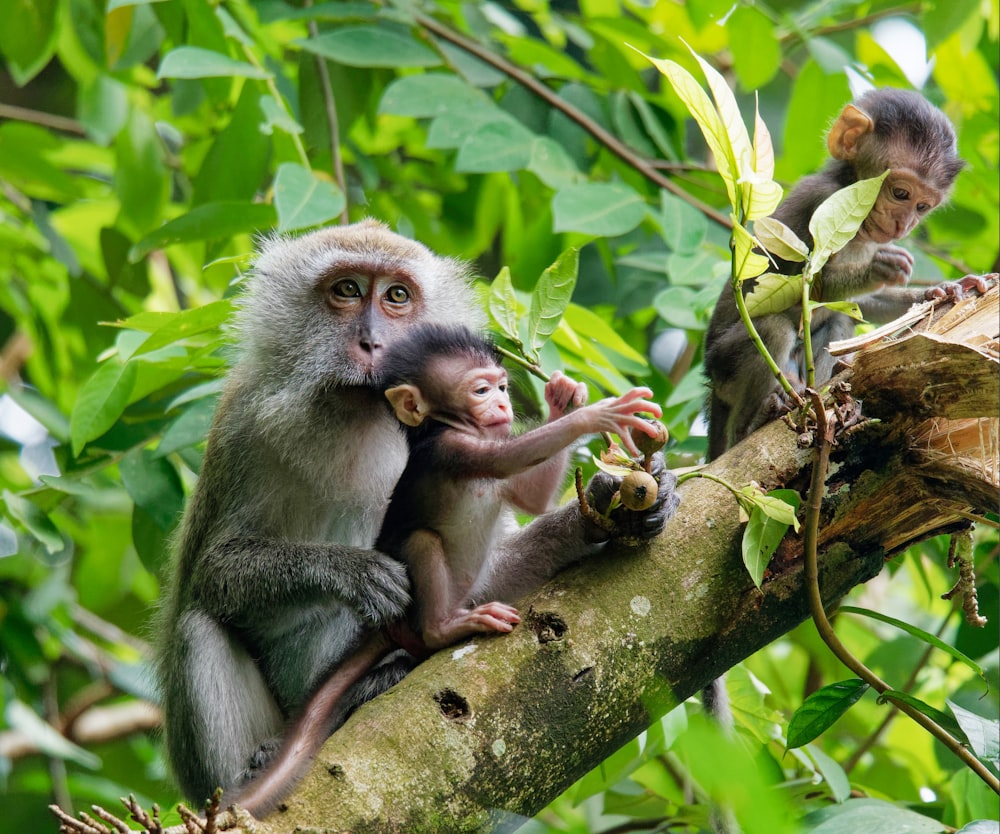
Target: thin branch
(38,117)
(333,124)
(609,140)
(814,501)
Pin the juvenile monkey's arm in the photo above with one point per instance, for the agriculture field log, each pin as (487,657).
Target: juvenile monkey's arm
(468,455)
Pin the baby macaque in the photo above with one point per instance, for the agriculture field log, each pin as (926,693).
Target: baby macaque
(447,386)
(884,129)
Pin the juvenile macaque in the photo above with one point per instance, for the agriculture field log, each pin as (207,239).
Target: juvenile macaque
(448,387)
(275,583)
(884,129)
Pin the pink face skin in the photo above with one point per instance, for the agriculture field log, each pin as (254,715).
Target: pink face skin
(487,400)
(903,202)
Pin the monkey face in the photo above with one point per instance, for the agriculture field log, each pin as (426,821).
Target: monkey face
(902,203)
(486,400)
(371,310)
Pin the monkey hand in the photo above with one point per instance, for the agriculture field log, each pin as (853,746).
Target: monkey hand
(956,290)
(891,265)
(562,393)
(632,526)
(377,586)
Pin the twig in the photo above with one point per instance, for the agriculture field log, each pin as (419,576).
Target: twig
(609,140)
(333,124)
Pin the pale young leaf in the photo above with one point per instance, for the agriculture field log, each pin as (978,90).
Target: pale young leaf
(504,307)
(838,218)
(728,109)
(779,240)
(746,263)
(848,308)
(761,196)
(612,469)
(551,297)
(701,108)
(774,293)
(763,149)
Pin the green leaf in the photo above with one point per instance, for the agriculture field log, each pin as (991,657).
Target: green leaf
(764,531)
(35,521)
(983,733)
(154,485)
(847,308)
(779,240)
(28,37)
(683,227)
(833,774)
(590,326)
(302,199)
(773,293)
(433,94)
(746,262)
(551,297)
(601,209)
(837,219)
(19,716)
(101,401)
(504,308)
(755,48)
(169,328)
(8,540)
(919,633)
(871,816)
(212,221)
(502,145)
(821,709)
(195,62)
(371,46)
(936,715)
(190,428)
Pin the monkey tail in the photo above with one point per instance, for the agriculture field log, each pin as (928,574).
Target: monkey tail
(303,740)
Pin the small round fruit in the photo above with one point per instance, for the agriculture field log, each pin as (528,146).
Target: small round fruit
(638,491)
(647,444)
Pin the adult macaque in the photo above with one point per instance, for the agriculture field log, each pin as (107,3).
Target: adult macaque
(275,584)
(448,387)
(884,129)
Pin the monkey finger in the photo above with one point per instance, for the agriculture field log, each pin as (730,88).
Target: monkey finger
(498,610)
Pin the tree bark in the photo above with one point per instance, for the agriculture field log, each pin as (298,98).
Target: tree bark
(482,735)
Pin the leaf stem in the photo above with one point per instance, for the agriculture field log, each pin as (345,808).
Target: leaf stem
(814,501)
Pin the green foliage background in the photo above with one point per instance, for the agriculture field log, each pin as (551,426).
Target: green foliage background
(144,144)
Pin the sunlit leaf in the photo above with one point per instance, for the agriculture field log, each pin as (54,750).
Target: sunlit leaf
(746,262)
(821,709)
(594,208)
(195,62)
(871,816)
(779,240)
(919,633)
(371,46)
(302,199)
(729,112)
(504,308)
(766,527)
(101,401)
(833,774)
(837,219)
(773,293)
(212,221)
(34,520)
(983,733)
(705,114)
(169,328)
(847,308)
(46,738)
(551,297)
(589,325)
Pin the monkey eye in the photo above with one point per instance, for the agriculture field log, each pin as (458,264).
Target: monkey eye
(503,387)
(923,208)
(346,288)
(397,294)
(901,194)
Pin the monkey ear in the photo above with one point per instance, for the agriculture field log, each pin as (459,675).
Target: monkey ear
(408,403)
(851,125)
